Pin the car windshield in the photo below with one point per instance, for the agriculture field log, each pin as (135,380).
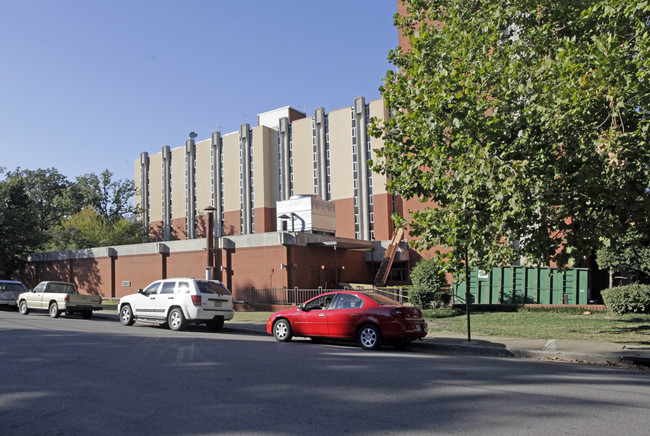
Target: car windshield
(384,301)
(207,287)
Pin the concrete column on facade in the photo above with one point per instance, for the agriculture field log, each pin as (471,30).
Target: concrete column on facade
(166,192)
(209,240)
(112,254)
(218,263)
(190,189)
(245,144)
(362,173)
(144,189)
(285,161)
(227,269)
(164,253)
(217,189)
(286,265)
(321,151)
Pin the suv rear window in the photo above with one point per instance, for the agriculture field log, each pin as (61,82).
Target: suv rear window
(207,287)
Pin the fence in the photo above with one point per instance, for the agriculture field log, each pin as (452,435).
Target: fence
(279,296)
(284,296)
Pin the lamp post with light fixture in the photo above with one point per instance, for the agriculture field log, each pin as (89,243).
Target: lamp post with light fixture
(209,237)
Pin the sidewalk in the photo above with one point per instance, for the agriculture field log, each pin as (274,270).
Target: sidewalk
(551,349)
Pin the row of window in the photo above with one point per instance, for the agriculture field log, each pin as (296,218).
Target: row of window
(167,179)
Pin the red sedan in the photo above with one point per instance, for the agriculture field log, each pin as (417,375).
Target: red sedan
(370,319)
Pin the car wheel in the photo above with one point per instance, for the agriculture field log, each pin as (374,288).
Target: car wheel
(126,315)
(215,324)
(54,310)
(369,337)
(87,314)
(22,307)
(282,330)
(175,319)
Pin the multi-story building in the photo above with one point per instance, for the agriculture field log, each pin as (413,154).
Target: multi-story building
(244,174)
(241,177)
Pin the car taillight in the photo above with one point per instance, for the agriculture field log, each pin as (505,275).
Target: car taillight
(196,300)
(67,298)
(100,300)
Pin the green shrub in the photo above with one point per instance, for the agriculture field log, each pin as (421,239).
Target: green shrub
(420,296)
(627,299)
(428,285)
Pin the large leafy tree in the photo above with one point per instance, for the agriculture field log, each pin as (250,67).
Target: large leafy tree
(104,214)
(46,189)
(629,255)
(88,228)
(93,210)
(524,123)
(110,198)
(18,219)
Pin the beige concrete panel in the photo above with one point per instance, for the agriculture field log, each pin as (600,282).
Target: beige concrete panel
(377,110)
(340,128)
(203,175)
(178,182)
(231,170)
(265,166)
(137,171)
(155,187)
(303,156)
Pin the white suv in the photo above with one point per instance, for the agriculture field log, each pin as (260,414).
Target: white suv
(178,302)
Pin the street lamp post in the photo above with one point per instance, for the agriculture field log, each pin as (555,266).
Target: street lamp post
(467,292)
(209,236)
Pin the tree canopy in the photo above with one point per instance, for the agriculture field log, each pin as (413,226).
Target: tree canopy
(41,210)
(18,222)
(525,123)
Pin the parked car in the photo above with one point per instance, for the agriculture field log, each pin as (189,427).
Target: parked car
(9,291)
(58,297)
(177,302)
(370,319)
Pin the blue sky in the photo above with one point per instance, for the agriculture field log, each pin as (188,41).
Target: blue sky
(87,85)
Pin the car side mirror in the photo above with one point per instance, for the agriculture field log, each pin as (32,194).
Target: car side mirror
(301,308)
(140,291)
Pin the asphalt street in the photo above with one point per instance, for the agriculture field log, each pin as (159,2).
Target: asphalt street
(77,377)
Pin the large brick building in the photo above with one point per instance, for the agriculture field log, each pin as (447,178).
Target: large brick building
(253,179)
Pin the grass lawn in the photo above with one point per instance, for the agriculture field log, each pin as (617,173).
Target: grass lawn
(631,329)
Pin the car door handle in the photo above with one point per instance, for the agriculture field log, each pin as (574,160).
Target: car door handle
(170,298)
(321,315)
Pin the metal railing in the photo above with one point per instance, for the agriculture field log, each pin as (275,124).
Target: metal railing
(296,296)
(281,296)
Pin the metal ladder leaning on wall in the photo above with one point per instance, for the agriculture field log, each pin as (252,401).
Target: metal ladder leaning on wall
(389,257)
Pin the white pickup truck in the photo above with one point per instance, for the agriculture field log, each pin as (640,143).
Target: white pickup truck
(58,297)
